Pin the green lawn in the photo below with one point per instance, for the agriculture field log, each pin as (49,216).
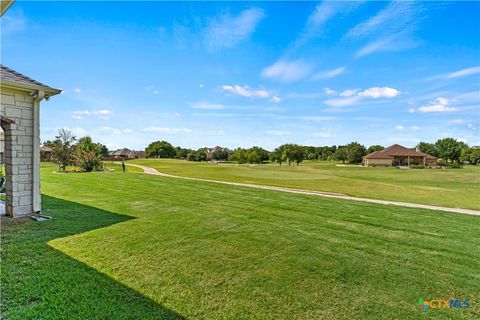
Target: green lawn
(458,188)
(134,246)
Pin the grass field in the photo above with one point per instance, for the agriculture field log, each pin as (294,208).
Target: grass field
(457,188)
(133,246)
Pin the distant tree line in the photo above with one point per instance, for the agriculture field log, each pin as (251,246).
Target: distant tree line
(448,149)
(451,150)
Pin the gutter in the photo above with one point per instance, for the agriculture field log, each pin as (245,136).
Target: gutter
(37,97)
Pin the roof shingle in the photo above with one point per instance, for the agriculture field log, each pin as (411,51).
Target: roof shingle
(396,150)
(9,75)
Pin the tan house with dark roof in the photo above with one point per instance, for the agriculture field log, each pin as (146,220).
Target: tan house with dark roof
(397,155)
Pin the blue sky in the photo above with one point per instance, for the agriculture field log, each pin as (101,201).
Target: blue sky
(252,73)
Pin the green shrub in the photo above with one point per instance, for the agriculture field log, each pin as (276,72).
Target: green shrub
(417,166)
(454,165)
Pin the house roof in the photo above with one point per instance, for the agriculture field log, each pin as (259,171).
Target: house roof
(12,78)
(396,150)
(4,5)
(122,152)
(45,149)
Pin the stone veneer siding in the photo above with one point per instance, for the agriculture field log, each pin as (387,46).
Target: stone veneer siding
(17,106)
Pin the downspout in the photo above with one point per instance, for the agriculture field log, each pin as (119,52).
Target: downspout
(36,151)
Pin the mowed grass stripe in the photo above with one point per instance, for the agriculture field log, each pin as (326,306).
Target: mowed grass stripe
(456,188)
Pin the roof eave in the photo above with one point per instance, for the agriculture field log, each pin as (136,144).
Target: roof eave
(29,87)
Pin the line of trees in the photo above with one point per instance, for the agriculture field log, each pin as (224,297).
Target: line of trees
(287,153)
(451,150)
(84,153)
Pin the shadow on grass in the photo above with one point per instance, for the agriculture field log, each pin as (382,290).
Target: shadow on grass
(40,282)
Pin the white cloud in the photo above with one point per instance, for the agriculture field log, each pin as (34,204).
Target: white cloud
(152,89)
(227,31)
(414,128)
(329,92)
(322,134)
(246,91)
(216,132)
(458,122)
(207,106)
(377,92)
(107,131)
(277,132)
(77,90)
(275,99)
(353,96)
(165,130)
(330,74)
(348,93)
(287,71)
(128,131)
(104,114)
(342,102)
(463,73)
(438,105)
(201,85)
(400,128)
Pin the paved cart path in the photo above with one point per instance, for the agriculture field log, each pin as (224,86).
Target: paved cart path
(149,170)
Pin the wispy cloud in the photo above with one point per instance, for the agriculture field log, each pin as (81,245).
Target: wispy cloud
(463,73)
(330,74)
(207,106)
(287,71)
(226,31)
(438,105)
(152,89)
(13,21)
(397,42)
(166,130)
(352,96)
(104,114)
(316,22)
(277,132)
(246,91)
(391,29)
(322,134)
(392,18)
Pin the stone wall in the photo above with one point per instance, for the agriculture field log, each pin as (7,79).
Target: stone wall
(17,108)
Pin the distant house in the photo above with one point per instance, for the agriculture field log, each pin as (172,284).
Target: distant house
(397,155)
(211,151)
(126,154)
(122,154)
(140,154)
(45,154)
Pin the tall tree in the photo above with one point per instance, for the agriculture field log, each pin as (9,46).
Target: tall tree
(160,149)
(374,148)
(341,154)
(355,152)
(220,154)
(428,148)
(449,149)
(88,155)
(63,148)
